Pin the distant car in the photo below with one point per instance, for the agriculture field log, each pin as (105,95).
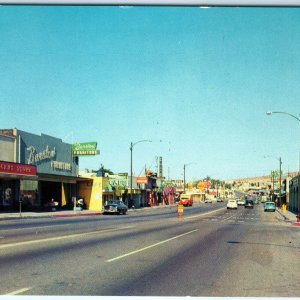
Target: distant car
(220,200)
(207,201)
(270,206)
(115,207)
(249,204)
(186,199)
(241,202)
(256,201)
(232,204)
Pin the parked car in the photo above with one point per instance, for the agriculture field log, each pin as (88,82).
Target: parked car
(249,204)
(115,207)
(207,201)
(232,204)
(270,206)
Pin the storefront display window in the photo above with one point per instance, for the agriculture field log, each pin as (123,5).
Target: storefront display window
(7,193)
(29,192)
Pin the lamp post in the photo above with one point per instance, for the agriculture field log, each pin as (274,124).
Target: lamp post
(131,148)
(298,119)
(184,166)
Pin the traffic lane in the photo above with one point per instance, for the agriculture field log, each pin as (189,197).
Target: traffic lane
(82,267)
(37,229)
(47,268)
(233,260)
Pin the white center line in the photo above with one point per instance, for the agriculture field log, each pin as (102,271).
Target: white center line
(19,291)
(57,238)
(204,214)
(151,246)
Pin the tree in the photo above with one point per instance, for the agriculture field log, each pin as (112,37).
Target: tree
(102,171)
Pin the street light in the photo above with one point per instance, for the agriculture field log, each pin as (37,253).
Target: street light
(131,148)
(184,166)
(298,119)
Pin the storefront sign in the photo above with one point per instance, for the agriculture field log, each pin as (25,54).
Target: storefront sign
(118,182)
(61,165)
(142,180)
(80,149)
(17,169)
(37,157)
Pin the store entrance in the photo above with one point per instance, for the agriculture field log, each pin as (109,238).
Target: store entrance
(49,190)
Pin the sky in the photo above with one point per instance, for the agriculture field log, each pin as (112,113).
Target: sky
(196,82)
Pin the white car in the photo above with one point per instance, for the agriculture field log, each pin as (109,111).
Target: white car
(232,204)
(241,202)
(207,201)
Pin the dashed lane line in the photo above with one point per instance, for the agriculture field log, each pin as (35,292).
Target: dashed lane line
(150,246)
(18,291)
(204,214)
(57,238)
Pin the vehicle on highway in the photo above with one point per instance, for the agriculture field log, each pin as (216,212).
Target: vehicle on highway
(241,201)
(208,200)
(186,199)
(115,207)
(232,204)
(269,206)
(249,204)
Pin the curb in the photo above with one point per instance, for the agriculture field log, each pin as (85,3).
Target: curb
(76,215)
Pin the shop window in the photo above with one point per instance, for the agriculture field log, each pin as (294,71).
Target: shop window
(29,192)
(7,193)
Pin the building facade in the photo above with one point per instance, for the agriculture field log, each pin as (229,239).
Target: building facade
(294,202)
(53,170)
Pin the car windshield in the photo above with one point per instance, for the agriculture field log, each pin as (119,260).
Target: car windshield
(115,202)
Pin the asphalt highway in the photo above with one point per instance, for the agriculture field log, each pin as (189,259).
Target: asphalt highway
(210,251)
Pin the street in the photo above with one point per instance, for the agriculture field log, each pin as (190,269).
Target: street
(209,251)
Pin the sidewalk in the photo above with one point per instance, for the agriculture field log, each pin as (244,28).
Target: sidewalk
(47,214)
(288,216)
(65,213)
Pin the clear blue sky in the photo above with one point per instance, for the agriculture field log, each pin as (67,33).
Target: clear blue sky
(197,82)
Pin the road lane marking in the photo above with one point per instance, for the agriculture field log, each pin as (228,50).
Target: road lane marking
(151,246)
(39,227)
(204,214)
(19,291)
(57,238)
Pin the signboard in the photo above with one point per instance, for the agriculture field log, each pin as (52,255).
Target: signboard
(83,149)
(142,180)
(180,209)
(17,169)
(202,185)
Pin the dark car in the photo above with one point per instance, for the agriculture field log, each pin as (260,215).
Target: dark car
(249,204)
(115,207)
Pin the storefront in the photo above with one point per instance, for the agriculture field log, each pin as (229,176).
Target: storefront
(294,203)
(56,169)
(18,182)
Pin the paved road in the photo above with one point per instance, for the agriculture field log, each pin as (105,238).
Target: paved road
(209,252)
